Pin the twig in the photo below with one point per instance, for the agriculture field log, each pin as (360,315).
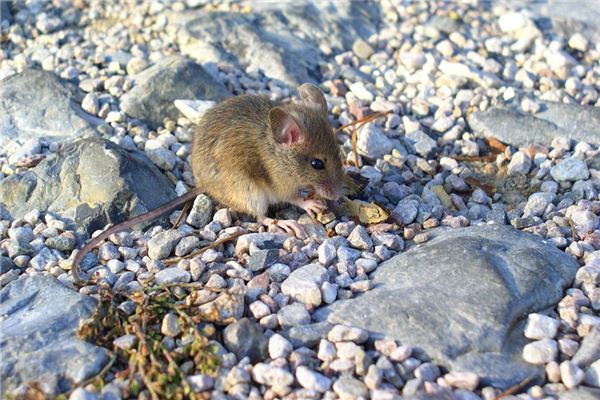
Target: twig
(516,388)
(149,384)
(184,211)
(216,243)
(366,119)
(173,364)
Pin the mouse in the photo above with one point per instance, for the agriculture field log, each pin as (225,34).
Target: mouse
(250,153)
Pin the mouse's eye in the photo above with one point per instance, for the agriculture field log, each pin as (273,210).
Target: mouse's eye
(317,164)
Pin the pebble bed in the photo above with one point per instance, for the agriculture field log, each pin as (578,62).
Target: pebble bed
(407,156)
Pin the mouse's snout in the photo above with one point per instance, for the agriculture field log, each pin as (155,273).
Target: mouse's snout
(329,188)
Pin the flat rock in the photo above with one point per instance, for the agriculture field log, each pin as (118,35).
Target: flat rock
(156,88)
(268,38)
(570,121)
(36,104)
(91,181)
(38,319)
(463,298)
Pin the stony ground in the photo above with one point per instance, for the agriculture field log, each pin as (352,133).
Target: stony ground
(468,267)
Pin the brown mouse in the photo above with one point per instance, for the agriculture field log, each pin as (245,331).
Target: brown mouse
(249,153)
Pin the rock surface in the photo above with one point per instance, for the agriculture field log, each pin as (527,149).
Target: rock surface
(36,104)
(570,121)
(92,181)
(477,283)
(38,341)
(170,79)
(273,31)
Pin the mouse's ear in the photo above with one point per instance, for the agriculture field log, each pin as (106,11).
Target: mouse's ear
(313,95)
(285,129)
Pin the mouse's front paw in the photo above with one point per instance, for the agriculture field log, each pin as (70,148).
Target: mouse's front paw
(288,225)
(311,206)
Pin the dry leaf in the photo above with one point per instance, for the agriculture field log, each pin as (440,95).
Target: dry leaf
(366,213)
(443,196)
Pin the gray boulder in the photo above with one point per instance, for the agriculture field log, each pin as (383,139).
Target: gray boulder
(38,319)
(172,78)
(281,38)
(36,103)
(570,121)
(92,181)
(462,297)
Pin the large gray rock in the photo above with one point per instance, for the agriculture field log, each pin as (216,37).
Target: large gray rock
(93,182)
(566,18)
(463,297)
(571,121)
(36,103)
(5,13)
(172,78)
(281,38)
(38,321)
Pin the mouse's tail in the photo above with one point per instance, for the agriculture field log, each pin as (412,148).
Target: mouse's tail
(147,216)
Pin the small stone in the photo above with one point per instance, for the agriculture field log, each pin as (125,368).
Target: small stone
(293,315)
(304,284)
(423,144)
(62,242)
(427,372)
(541,327)
(571,374)
(223,216)
(186,245)
(136,65)
(571,169)
(592,374)
(161,245)
(327,351)
(342,333)
(312,380)
(278,272)
(90,103)
(540,352)
(279,346)
(261,259)
(43,259)
(512,21)
(361,92)
(362,49)
(373,143)
(245,339)
(553,372)
(172,275)
(170,325)
(578,42)
(125,342)
(259,309)
(201,212)
(82,394)
(327,253)
(520,164)
(329,292)
(360,239)
(584,221)
(462,380)
(406,211)
(349,388)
